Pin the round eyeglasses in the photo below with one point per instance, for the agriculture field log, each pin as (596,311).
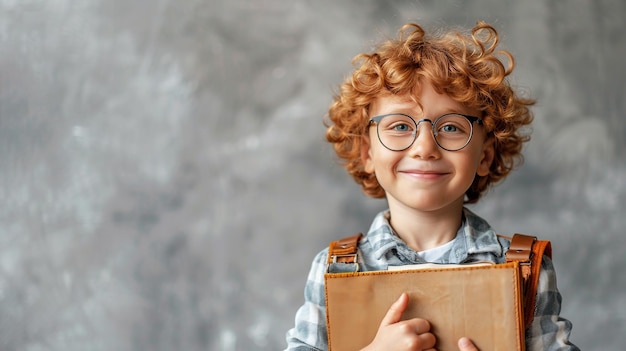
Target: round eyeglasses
(452,131)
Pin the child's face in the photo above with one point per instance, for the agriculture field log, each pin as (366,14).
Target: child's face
(425,177)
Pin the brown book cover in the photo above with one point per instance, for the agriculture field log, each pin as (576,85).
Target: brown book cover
(482,302)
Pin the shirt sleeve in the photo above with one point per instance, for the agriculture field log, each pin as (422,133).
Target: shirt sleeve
(548,331)
(309,332)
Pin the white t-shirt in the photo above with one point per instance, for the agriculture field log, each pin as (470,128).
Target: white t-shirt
(434,255)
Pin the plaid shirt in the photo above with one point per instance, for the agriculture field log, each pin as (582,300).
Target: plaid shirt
(475,241)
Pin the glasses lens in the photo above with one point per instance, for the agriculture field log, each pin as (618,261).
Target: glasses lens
(453,132)
(396,132)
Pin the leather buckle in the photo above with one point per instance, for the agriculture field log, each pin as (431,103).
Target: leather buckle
(349,258)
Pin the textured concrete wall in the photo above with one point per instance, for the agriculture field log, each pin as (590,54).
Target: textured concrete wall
(164,183)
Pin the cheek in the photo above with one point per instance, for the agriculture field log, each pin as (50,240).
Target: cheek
(384,161)
(469,165)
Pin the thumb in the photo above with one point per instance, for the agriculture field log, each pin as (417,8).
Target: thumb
(394,314)
(466,345)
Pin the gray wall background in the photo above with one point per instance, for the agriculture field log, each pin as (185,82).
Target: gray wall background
(165,181)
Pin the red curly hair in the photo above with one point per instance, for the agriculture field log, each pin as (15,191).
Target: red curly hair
(465,66)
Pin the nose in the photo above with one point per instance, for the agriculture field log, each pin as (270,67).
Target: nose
(425,146)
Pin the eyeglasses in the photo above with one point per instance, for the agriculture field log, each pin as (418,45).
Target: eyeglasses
(452,131)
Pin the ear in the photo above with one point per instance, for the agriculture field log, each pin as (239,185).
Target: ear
(486,158)
(366,154)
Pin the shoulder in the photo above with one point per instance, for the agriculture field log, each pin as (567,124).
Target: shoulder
(504,241)
(314,287)
(318,266)
(479,241)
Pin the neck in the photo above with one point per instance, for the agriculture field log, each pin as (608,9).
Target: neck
(426,230)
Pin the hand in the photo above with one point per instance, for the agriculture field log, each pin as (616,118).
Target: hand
(409,335)
(466,345)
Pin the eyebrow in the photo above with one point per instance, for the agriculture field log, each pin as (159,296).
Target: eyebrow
(407,106)
(411,113)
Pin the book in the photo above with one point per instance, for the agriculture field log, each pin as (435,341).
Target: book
(482,302)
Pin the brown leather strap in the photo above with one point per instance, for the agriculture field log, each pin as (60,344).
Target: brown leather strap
(540,248)
(529,252)
(344,250)
(521,250)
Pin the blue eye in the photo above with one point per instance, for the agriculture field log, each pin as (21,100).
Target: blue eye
(449,128)
(402,127)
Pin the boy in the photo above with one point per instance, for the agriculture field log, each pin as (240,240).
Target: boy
(429,122)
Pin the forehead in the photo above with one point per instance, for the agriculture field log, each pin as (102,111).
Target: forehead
(423,101)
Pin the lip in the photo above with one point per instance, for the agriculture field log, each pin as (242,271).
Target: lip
(424,174)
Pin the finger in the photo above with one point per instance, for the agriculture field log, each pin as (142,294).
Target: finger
(466,344)
(416,326)
(427,341)
(394,314)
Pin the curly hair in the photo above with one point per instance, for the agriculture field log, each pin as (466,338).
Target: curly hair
(465,66)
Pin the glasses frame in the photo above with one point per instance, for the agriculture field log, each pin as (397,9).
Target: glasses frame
(471,119)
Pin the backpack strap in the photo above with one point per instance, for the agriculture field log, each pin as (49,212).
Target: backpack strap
(529,252)
(344,253)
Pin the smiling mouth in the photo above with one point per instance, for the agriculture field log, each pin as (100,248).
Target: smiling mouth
(424,174)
